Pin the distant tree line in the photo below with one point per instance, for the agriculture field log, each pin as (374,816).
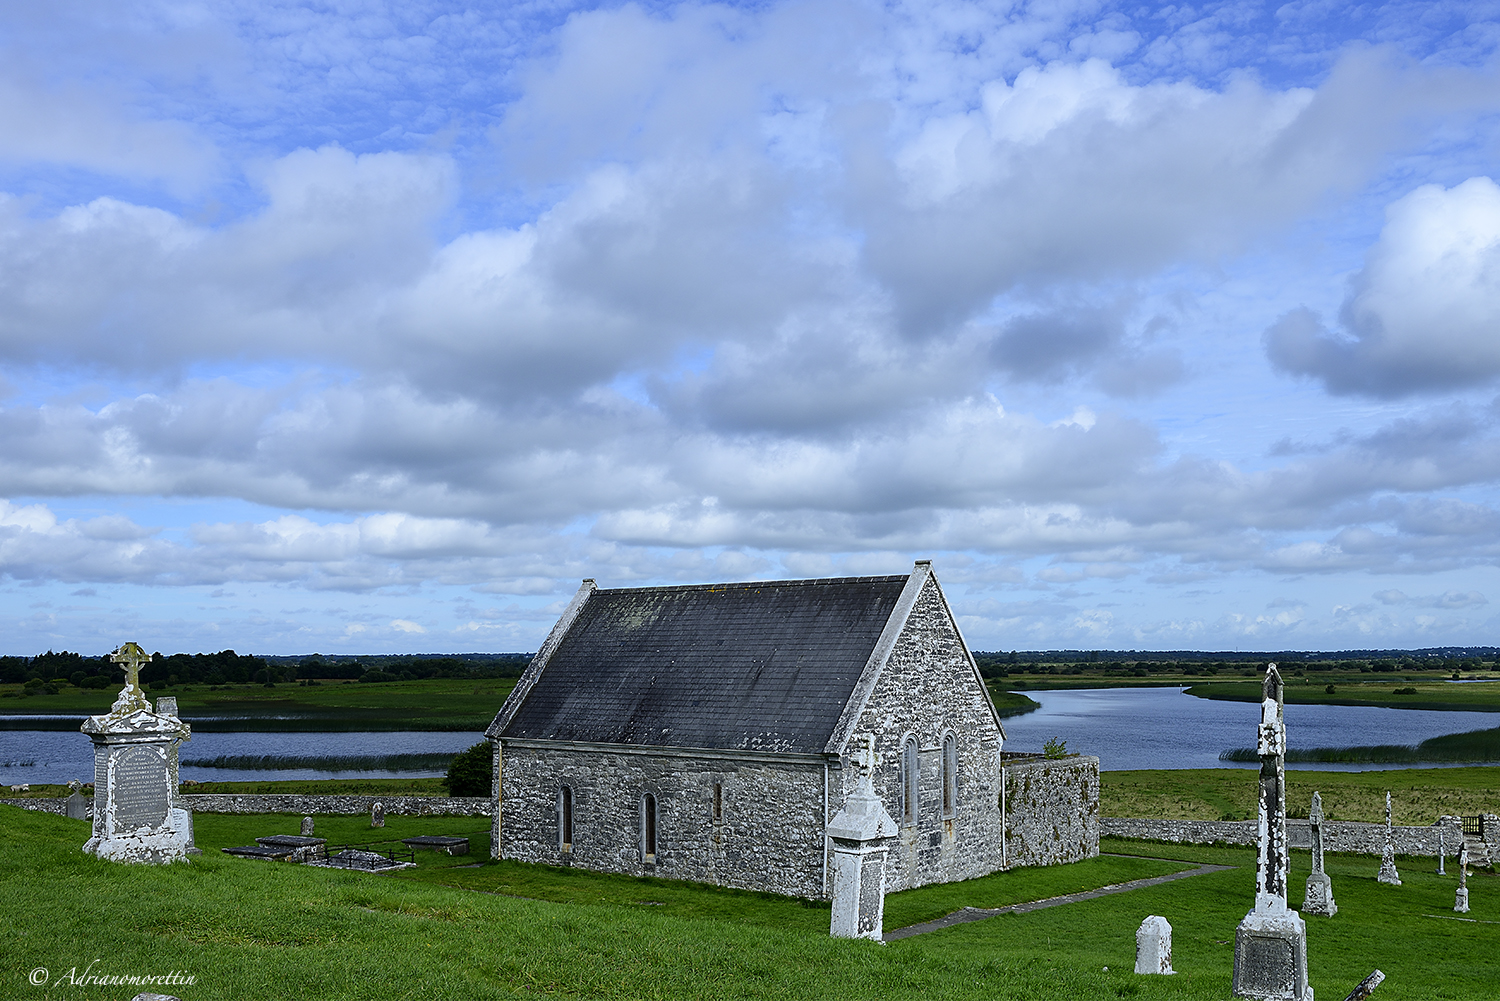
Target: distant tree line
(47,671)
(1141,665)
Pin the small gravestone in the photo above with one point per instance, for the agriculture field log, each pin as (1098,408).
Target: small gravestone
(76,807)
(1366,987)
(1388,873)
(859,833)
(1270,945)
(1318,898)
(1153,946)
(136,814)
(377,815)
(1461,898)
(307,827)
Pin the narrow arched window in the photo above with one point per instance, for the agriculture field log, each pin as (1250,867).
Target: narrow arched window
(950,776)
(648,827)
(565,818)
(909,786)
(718,802)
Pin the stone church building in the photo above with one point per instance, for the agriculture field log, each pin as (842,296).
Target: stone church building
(710,732)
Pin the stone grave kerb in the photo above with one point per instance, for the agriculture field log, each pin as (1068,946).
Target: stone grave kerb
(859,833)
(138,816)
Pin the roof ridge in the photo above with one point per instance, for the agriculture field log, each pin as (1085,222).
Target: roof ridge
(795,582)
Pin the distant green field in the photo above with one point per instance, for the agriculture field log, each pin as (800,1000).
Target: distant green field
(1418,795)
(431,704)
(1477,696)
(269,930)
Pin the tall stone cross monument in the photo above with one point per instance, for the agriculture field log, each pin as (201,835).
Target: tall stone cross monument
(859,833)
(1270,945)
(137,815)
(1319,896)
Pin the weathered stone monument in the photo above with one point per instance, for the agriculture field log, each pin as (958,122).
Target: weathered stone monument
(137,815)
(76,807)
(1388,872)
(1319,896)
(1366,987)
(377,815)
(1270,945)
(859,833)
(307,827)
(1442,852)
(1461,898)
(1153,946)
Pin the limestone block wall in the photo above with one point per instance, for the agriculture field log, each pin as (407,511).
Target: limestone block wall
(1051,810)
(928,691)
(1338,835)
(769,837)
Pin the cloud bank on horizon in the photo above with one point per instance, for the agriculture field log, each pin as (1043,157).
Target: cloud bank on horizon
(374,327)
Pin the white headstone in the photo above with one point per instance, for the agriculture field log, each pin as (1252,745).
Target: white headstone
(136,814)
(377,815)
(859,833)
(1153,946)
(1388,874)
(307,827)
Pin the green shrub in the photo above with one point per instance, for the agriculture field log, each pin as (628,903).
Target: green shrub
(471,771)
(1055,748)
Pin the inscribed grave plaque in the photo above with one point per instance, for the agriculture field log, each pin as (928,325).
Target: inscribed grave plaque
(872,894)
(140,793)
(1268,969)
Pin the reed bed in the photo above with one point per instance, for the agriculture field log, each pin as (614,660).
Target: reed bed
(326,762)
(1471,746)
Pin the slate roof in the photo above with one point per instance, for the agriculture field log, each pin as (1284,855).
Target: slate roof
(751,666)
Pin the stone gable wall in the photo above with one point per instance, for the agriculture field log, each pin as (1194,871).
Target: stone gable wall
(1051,810)
(771,837)
(928,690)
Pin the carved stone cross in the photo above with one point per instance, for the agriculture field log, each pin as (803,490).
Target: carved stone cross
(132,656)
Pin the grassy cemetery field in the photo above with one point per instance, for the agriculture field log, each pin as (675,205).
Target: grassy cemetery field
(269,930)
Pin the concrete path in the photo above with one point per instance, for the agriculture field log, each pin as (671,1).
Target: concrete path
(979,913)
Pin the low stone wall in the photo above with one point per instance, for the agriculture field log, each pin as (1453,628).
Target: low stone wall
(1338,835)
(308,806)
(313,806)
(1051,810)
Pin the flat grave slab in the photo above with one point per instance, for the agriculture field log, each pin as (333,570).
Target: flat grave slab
(270,852)
(451,845)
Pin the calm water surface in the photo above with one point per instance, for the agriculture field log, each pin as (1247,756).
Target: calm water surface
(1164,728)
(1126,727)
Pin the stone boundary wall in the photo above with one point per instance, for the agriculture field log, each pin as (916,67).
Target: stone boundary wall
(305,805)
(1051,810)
(1338,835)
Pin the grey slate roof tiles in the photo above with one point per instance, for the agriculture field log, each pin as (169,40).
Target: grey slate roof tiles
(751,666)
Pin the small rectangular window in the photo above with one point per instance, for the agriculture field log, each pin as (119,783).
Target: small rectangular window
(565,819)
(648,827)
(718,803)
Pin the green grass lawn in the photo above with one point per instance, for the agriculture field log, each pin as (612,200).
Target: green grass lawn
(431,704)
(258,930)
(1418,795)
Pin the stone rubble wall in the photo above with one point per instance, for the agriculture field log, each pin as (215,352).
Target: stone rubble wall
(1338,835)
(305,805)
(1051,810)
(929,691)
(769,835)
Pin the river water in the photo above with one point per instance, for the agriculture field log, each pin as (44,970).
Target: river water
(1125,727)
(1164,728)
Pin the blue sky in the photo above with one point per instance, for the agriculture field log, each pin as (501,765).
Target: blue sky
(358,327)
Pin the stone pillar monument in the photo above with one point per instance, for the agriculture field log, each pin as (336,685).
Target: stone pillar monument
(1461,898)
(137,816)
(859,833)
(1319,896)
(1153,946)
(1388,872)
(1270,945)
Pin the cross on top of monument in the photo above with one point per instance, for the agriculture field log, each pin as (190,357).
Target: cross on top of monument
(132,656)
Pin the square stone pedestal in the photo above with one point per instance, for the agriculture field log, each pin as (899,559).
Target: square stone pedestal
(1270,957)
